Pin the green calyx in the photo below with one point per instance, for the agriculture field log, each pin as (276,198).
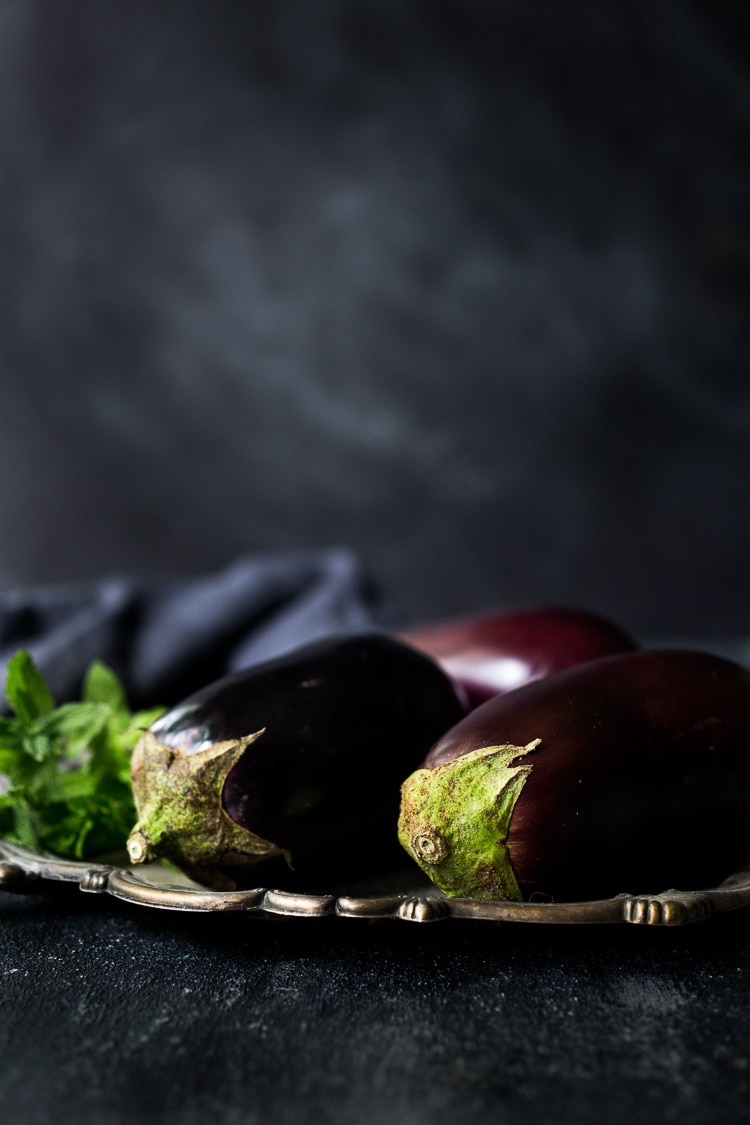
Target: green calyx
(180,813)
(455,818)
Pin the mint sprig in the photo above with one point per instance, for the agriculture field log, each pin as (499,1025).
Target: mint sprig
(65,771)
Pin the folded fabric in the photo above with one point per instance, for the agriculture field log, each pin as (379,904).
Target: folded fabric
(166,637)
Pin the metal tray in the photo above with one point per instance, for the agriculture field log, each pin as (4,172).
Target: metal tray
(155,886)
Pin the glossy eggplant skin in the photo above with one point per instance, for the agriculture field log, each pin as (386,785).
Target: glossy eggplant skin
(498,651)
(343,720)
(641,780)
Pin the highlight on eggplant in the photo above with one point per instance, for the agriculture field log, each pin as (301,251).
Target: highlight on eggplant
(499,651)
(297,760)
(628,774)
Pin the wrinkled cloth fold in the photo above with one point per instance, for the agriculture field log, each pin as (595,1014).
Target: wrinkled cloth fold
(166,637)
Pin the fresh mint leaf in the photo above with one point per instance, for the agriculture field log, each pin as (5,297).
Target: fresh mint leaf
(74,725)
(76,785)
(7,760)
(129,734)
(101,685)
(10,734)
(24,828)
(65,771)
(25,689)
(37,745)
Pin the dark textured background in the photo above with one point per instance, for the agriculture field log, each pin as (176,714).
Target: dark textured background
(460,285)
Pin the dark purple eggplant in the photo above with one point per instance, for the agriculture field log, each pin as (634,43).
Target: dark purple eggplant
(626,774)
(498,651)
(300,758)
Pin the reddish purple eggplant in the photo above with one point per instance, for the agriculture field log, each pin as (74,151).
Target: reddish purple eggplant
(299,758)
(626,774)
(497,652)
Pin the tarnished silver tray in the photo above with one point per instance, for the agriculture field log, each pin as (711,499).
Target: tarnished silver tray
(154,886)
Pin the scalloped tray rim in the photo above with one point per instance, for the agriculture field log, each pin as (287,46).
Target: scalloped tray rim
(23,870)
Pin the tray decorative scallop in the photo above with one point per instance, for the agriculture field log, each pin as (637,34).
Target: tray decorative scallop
(153,886)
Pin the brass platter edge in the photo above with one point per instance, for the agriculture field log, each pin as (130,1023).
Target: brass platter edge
(22,870)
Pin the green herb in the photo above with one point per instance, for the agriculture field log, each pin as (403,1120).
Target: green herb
(65,771)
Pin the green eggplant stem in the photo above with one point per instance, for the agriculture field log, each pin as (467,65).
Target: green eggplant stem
(455,819)
(180,816)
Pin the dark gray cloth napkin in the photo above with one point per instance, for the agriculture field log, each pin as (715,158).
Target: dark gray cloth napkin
(166,637)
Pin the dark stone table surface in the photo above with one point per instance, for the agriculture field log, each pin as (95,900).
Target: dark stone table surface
(112,1013)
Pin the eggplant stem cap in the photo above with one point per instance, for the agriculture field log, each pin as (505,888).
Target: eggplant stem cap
(178,797)
(455,821)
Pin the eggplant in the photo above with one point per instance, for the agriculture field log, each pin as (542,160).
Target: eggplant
(500,651)
(298,759)
(630,773)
